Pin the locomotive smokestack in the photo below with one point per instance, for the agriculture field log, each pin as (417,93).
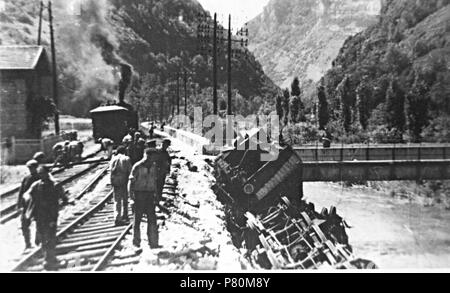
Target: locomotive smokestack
(126,73)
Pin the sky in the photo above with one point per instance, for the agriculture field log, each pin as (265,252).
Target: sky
(241,10)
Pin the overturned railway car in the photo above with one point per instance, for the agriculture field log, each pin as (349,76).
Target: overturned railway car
(113,122)
(267,215)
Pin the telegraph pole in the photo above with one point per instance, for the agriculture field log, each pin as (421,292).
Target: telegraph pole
(204,37)
(215,65)
(185,94)
(55,77)
(161,105)
(40,22)
(230,106)
(178,93)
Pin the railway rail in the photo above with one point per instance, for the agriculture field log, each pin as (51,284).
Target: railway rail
(88,240)
(8,200)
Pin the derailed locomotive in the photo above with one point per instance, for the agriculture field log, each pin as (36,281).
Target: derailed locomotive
(267,215)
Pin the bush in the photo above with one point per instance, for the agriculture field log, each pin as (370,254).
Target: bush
(382,134)
(301,133)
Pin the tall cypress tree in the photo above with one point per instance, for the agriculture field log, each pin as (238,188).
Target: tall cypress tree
(363,94)
(417,108)
(286,96)
(323,107)
(344,98)
(295,88)
(279,108)
(294,108)
(395,106)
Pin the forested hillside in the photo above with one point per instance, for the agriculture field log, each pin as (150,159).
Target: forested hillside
(391,82)
(157,38)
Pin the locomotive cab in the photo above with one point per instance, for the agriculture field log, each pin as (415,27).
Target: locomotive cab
(110,122)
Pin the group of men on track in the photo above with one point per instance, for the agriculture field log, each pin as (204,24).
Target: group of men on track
(38,200)
(138,172)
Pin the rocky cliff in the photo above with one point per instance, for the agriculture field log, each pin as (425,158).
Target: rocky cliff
(302,37)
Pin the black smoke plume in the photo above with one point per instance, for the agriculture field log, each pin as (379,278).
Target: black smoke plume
(126,73)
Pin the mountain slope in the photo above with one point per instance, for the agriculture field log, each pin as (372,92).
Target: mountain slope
(302,37)
(399,69)
(156,37)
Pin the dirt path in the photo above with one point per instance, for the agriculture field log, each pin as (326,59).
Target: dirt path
(194,235)
(394,233)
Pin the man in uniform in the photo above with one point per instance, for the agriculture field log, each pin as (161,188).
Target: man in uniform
(326,139)
(142,188)
(152,130)
(107,146)
(165,164)
(22,204)
(45,195)
(62,154)
(120,167)
(76,150)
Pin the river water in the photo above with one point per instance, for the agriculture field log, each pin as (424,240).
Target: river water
(394,233)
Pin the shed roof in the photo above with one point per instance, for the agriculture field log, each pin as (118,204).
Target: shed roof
(21,57)
(104,109)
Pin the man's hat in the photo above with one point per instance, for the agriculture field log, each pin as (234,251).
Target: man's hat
(150,151)
(32,163)
(167,141)
(39,155)
(151,143)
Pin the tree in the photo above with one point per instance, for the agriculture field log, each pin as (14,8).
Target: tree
(286,96)
(279,108)
(344,98)
(294,108)
(42,109)
(323,107)
(295,88)
(417,108)
(395,60)
(363,94)
(395,106)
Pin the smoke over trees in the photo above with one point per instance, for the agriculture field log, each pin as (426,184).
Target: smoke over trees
(86,54)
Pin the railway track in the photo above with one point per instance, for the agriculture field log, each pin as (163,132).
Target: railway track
(84,240)
(8,200)
(89,239)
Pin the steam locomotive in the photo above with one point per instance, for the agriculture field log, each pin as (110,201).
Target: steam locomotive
(115,121)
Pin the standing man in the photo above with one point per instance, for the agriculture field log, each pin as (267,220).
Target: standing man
(326,139)
(23,204)
(45,195)
(120,167)
(107,146)
(165,164)
(152,130)
(143,190)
